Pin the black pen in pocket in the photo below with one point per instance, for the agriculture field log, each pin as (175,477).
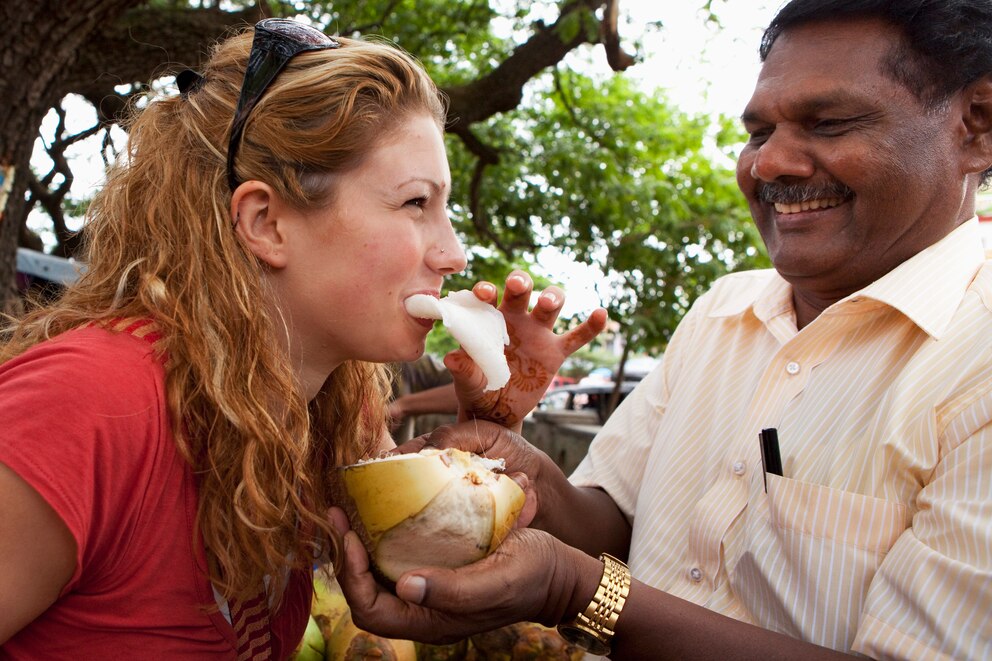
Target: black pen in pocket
(771,456)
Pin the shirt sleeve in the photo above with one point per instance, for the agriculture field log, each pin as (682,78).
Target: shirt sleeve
(78,414)
(615,460)
(930,598)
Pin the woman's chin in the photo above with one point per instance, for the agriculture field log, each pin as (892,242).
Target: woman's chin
(405,351)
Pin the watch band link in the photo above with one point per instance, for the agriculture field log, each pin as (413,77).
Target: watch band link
(599,618)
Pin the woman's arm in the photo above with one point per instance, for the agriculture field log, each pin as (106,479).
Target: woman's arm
(439,399)
(37,554)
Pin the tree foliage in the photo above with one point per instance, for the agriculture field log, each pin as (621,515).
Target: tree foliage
(542,153)
(620,179)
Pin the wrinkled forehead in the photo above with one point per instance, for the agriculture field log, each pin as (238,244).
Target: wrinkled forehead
(842,49)
(825,62)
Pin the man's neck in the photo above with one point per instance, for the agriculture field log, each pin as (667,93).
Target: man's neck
(809,307)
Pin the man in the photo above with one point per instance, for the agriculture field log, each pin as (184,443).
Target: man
(868,348)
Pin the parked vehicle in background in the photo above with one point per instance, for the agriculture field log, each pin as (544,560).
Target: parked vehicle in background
(637,368)
(585,402)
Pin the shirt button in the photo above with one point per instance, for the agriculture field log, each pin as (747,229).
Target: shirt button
(738,467)
(792,368)
(695,574)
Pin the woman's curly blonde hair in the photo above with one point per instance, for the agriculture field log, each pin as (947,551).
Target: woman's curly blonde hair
(159,244)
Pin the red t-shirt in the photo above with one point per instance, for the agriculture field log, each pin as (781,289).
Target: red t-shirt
(83,420)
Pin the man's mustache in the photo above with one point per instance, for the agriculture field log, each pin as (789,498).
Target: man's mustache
(772,193)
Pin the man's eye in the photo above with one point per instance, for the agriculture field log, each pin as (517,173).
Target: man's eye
(831,126)
(758,136)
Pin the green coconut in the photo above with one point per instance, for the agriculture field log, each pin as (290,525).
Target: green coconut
(311,647)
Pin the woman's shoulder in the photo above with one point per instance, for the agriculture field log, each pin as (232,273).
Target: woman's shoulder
(86,366)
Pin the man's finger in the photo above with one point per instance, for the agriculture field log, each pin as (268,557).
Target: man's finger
(468,436)
(339,520)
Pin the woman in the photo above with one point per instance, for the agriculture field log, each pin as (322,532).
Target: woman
(170,425)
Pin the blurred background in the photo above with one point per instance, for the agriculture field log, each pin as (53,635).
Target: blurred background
(591,142)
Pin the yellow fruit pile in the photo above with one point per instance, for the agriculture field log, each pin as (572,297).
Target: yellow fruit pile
(332,636)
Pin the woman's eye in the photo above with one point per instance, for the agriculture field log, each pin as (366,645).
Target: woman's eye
(419,202)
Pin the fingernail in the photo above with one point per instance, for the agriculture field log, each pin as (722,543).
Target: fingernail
(414,589)
(551,297)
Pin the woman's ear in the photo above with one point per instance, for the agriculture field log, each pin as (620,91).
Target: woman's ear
(977,146)
(256,223)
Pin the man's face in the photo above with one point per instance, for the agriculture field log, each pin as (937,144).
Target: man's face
(846,172)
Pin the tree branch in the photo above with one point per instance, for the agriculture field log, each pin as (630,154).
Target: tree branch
(618,59)
(375,25)
(501,89)
(158,40)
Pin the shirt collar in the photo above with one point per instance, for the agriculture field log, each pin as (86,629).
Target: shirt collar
(927,288)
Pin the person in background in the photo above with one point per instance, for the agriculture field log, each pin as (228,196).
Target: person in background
(420,387)
(867,352)
(171,423)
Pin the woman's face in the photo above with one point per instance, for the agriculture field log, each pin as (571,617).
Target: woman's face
(350,266)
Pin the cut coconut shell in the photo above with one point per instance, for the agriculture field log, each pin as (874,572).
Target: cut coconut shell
(435,508)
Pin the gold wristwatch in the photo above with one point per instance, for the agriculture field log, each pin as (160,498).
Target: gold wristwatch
(592,629)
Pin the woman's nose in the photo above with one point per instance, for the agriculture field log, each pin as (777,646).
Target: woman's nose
(447,256)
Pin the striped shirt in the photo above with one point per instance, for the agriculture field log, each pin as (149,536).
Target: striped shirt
(878,538)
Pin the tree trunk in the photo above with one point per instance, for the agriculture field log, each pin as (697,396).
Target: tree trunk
(44,38)
(619,377)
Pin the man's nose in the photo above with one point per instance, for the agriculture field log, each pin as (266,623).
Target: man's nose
(783,154)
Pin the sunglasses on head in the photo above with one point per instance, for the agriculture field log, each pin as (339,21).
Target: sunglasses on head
(276,42)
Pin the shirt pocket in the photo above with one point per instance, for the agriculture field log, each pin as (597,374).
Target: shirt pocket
(809,555)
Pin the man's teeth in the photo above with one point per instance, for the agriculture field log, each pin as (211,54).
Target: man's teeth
(810,205)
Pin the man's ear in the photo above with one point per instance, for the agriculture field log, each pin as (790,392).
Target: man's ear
(977,123)
(257,224)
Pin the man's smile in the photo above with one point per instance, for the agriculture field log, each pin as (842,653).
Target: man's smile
(808,205)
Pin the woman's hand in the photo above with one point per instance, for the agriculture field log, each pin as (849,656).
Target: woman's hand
(530,577)
(534,355)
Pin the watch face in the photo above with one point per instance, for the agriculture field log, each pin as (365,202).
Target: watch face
(584,639)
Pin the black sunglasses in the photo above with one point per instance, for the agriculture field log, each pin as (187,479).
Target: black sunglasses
(276,42)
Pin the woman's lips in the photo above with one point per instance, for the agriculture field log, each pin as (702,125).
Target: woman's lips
(425,322)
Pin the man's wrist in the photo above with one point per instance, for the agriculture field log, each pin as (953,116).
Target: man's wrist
(593,626)
(588,573)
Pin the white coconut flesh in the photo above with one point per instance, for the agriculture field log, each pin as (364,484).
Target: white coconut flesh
(437,508)
(478,327)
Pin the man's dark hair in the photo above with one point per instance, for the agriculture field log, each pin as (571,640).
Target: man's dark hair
(946,45)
